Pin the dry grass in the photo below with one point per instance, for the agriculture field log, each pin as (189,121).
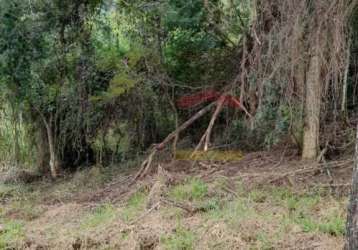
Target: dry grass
(51,216)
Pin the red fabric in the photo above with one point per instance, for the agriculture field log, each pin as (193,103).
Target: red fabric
(193,100)
(198,98)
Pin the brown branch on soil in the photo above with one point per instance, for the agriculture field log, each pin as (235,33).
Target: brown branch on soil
(229,190)
(308,170)
(187,207)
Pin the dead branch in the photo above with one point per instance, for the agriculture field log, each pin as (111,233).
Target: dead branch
(187,207)
(144,169)
(212,122)
(206,135)
(308,170)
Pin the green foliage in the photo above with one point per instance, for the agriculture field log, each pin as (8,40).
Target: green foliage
(192,190)
(274,121)
(15,139)
(12,234)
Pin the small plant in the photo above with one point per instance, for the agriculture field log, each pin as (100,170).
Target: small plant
(12,234)
(334,226)
(181,239)
(134,206)
(258,196)
(232,212)
(192,190)
(99,216)
(264,241)
(306,223)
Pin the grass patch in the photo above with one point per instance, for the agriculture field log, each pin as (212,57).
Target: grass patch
(283,209)
(135,205)
(101,215)
(181,239)
(15,191)
(332,223)
(192,190)
(232,212)
(13,233)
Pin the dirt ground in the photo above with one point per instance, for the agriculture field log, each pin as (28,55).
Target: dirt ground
(259,202)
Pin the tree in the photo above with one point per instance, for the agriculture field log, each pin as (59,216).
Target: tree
(352,218)
(45,64)
(312,107)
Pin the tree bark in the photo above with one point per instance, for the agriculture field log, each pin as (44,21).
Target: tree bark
(312,110)
(54,162)
(43,154)
(352,218)
(345,81)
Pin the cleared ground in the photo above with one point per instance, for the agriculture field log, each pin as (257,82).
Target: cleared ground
(264,201)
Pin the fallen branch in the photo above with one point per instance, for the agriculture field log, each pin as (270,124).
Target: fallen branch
(187,207)
(266,175)
(307,170)
(144,169)
(206,135)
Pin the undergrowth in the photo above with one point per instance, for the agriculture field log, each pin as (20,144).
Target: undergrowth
(180,239)
(261,218)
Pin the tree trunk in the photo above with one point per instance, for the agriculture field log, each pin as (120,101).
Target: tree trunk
(54,163)
(15,122)
(345,81)
(43,154)
(312,110)
(352,218)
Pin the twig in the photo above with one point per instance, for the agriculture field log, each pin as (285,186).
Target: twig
(322,159)
(307,170)
(281,158)
(335,185)
(231,191)
(188,208)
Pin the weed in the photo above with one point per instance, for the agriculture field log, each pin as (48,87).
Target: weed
(12,234)
(264,241)
(334,226)
(232,212)
(99,216)
(181,239)
(258,196)
(332,223)
(192,190)
(134,206)
(211,205)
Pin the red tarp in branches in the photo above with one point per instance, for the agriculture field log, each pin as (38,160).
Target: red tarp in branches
(198,98)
